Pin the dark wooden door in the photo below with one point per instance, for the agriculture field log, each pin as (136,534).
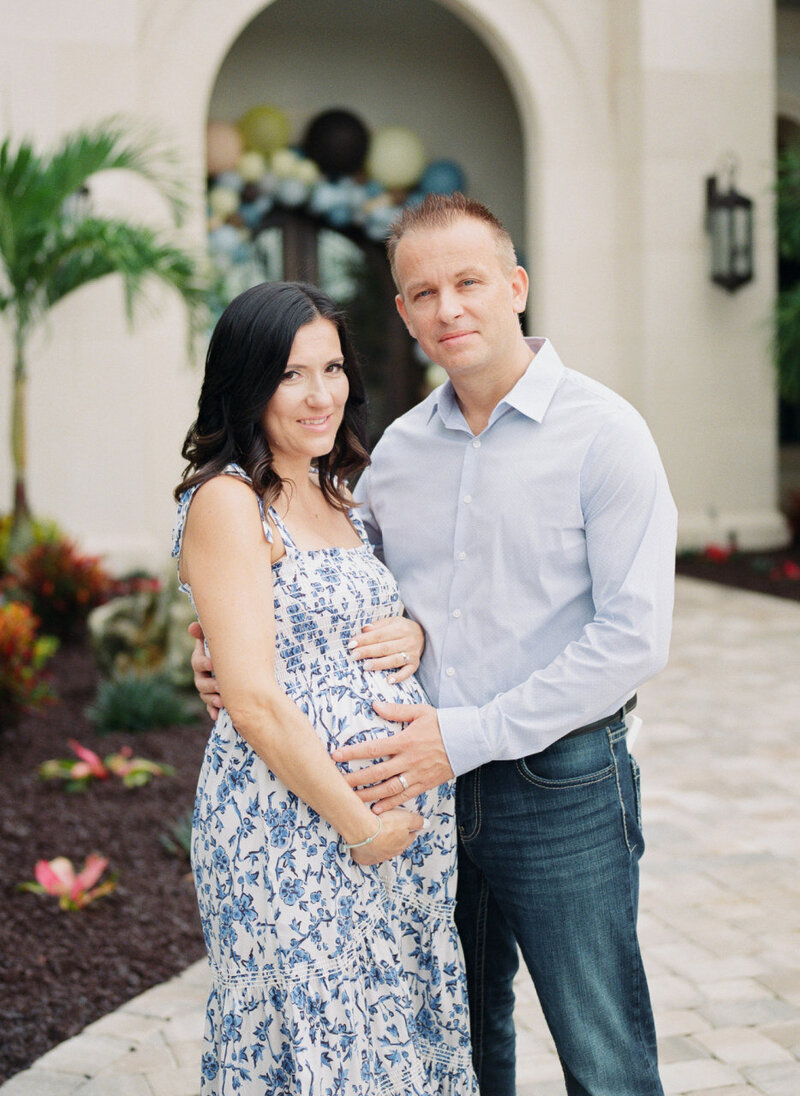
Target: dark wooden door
(354,271)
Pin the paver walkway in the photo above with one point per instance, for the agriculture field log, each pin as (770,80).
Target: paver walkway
(720,909)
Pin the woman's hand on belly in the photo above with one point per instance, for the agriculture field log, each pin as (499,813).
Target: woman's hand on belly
(398,830)
(394,644)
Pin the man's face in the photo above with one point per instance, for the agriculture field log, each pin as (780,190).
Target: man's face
(457,298)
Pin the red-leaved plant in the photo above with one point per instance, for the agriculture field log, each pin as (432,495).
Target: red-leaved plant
(133,771)
(61,585)
(23,654)
(74,890)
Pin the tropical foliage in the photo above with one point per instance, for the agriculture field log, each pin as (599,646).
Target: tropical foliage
(23,654)
(787,309)
(136,702)
(52,243)
(41,531)
(134,772)
(61,585)
(74,890)
(178,840)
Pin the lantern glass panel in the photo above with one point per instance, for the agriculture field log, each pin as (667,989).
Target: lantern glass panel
(741,238)
(720,242)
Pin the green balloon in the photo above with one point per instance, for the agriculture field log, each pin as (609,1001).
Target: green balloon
(264,129)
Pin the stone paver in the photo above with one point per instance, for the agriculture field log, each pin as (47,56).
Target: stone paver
(690,1076)
(40,1082)
(720,906)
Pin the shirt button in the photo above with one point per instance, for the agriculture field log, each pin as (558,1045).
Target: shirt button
(450,671)
(467,498)
(456,613)
(476,444)
(462,555)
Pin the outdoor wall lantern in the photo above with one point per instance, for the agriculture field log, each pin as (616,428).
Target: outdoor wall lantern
(729,222)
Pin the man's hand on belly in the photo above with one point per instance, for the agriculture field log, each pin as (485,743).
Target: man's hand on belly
(416,754)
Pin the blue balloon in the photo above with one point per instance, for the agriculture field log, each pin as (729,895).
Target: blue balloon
(243,253)
(225,240)
(353,194)
(339,215)
(324,197)
(442,177)
(379,222)
(231,179)
(292,192)
(252,212)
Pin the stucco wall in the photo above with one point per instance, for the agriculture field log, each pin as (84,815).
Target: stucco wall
(706,372)
(624,108)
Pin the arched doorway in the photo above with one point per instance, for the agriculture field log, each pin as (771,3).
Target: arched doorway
(304,58)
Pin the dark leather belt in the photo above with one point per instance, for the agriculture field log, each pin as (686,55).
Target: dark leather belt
(628,706)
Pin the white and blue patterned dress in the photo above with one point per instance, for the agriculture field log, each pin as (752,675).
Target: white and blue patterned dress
(328,978)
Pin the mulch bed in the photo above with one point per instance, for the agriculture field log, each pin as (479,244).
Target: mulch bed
(59,971)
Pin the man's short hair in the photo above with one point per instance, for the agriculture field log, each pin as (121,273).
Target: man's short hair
(442,210)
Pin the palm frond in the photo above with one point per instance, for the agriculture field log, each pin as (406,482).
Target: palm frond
(117,144)
(18,172)
(40,238)
(35,189)
(98,246)
(48,248)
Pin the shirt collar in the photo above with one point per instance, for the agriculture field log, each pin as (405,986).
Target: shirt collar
(531,395)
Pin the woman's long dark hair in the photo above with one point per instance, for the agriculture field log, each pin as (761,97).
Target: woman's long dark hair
(246,359)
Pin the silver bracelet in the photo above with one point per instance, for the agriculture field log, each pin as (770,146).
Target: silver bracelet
(367,840)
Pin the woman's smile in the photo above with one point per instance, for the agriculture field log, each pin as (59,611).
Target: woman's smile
(305,412)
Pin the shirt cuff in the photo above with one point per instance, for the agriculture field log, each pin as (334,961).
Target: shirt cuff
(462,736)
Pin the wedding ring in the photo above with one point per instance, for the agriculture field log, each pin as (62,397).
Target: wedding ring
(404,658)
(402,778)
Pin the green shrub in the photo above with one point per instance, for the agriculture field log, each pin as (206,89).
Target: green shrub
(23,654)
(144,630)
(138,702)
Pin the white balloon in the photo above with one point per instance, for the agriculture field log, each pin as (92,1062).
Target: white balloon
(223,201)
(396,157)
(252,166)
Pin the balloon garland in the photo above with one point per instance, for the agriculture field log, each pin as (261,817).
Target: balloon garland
(340,173)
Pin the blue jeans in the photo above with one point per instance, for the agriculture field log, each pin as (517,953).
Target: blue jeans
(549,851)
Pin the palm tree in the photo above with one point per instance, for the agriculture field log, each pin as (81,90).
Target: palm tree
(50,245)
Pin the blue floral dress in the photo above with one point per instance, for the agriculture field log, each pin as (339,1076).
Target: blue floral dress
(328,978)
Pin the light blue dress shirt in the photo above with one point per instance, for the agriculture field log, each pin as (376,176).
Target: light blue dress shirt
(539,556)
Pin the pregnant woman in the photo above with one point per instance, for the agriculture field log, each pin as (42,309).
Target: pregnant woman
(334,957)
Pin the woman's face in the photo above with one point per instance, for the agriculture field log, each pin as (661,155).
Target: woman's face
(302,417)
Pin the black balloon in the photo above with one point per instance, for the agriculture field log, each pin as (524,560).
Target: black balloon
(337,142)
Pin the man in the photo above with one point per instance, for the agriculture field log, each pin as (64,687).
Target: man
(525,513)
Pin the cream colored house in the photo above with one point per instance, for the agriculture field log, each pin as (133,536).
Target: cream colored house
(590,126)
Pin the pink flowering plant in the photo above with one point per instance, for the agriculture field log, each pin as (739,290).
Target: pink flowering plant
(74,890)
(135,771)
(78,775)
